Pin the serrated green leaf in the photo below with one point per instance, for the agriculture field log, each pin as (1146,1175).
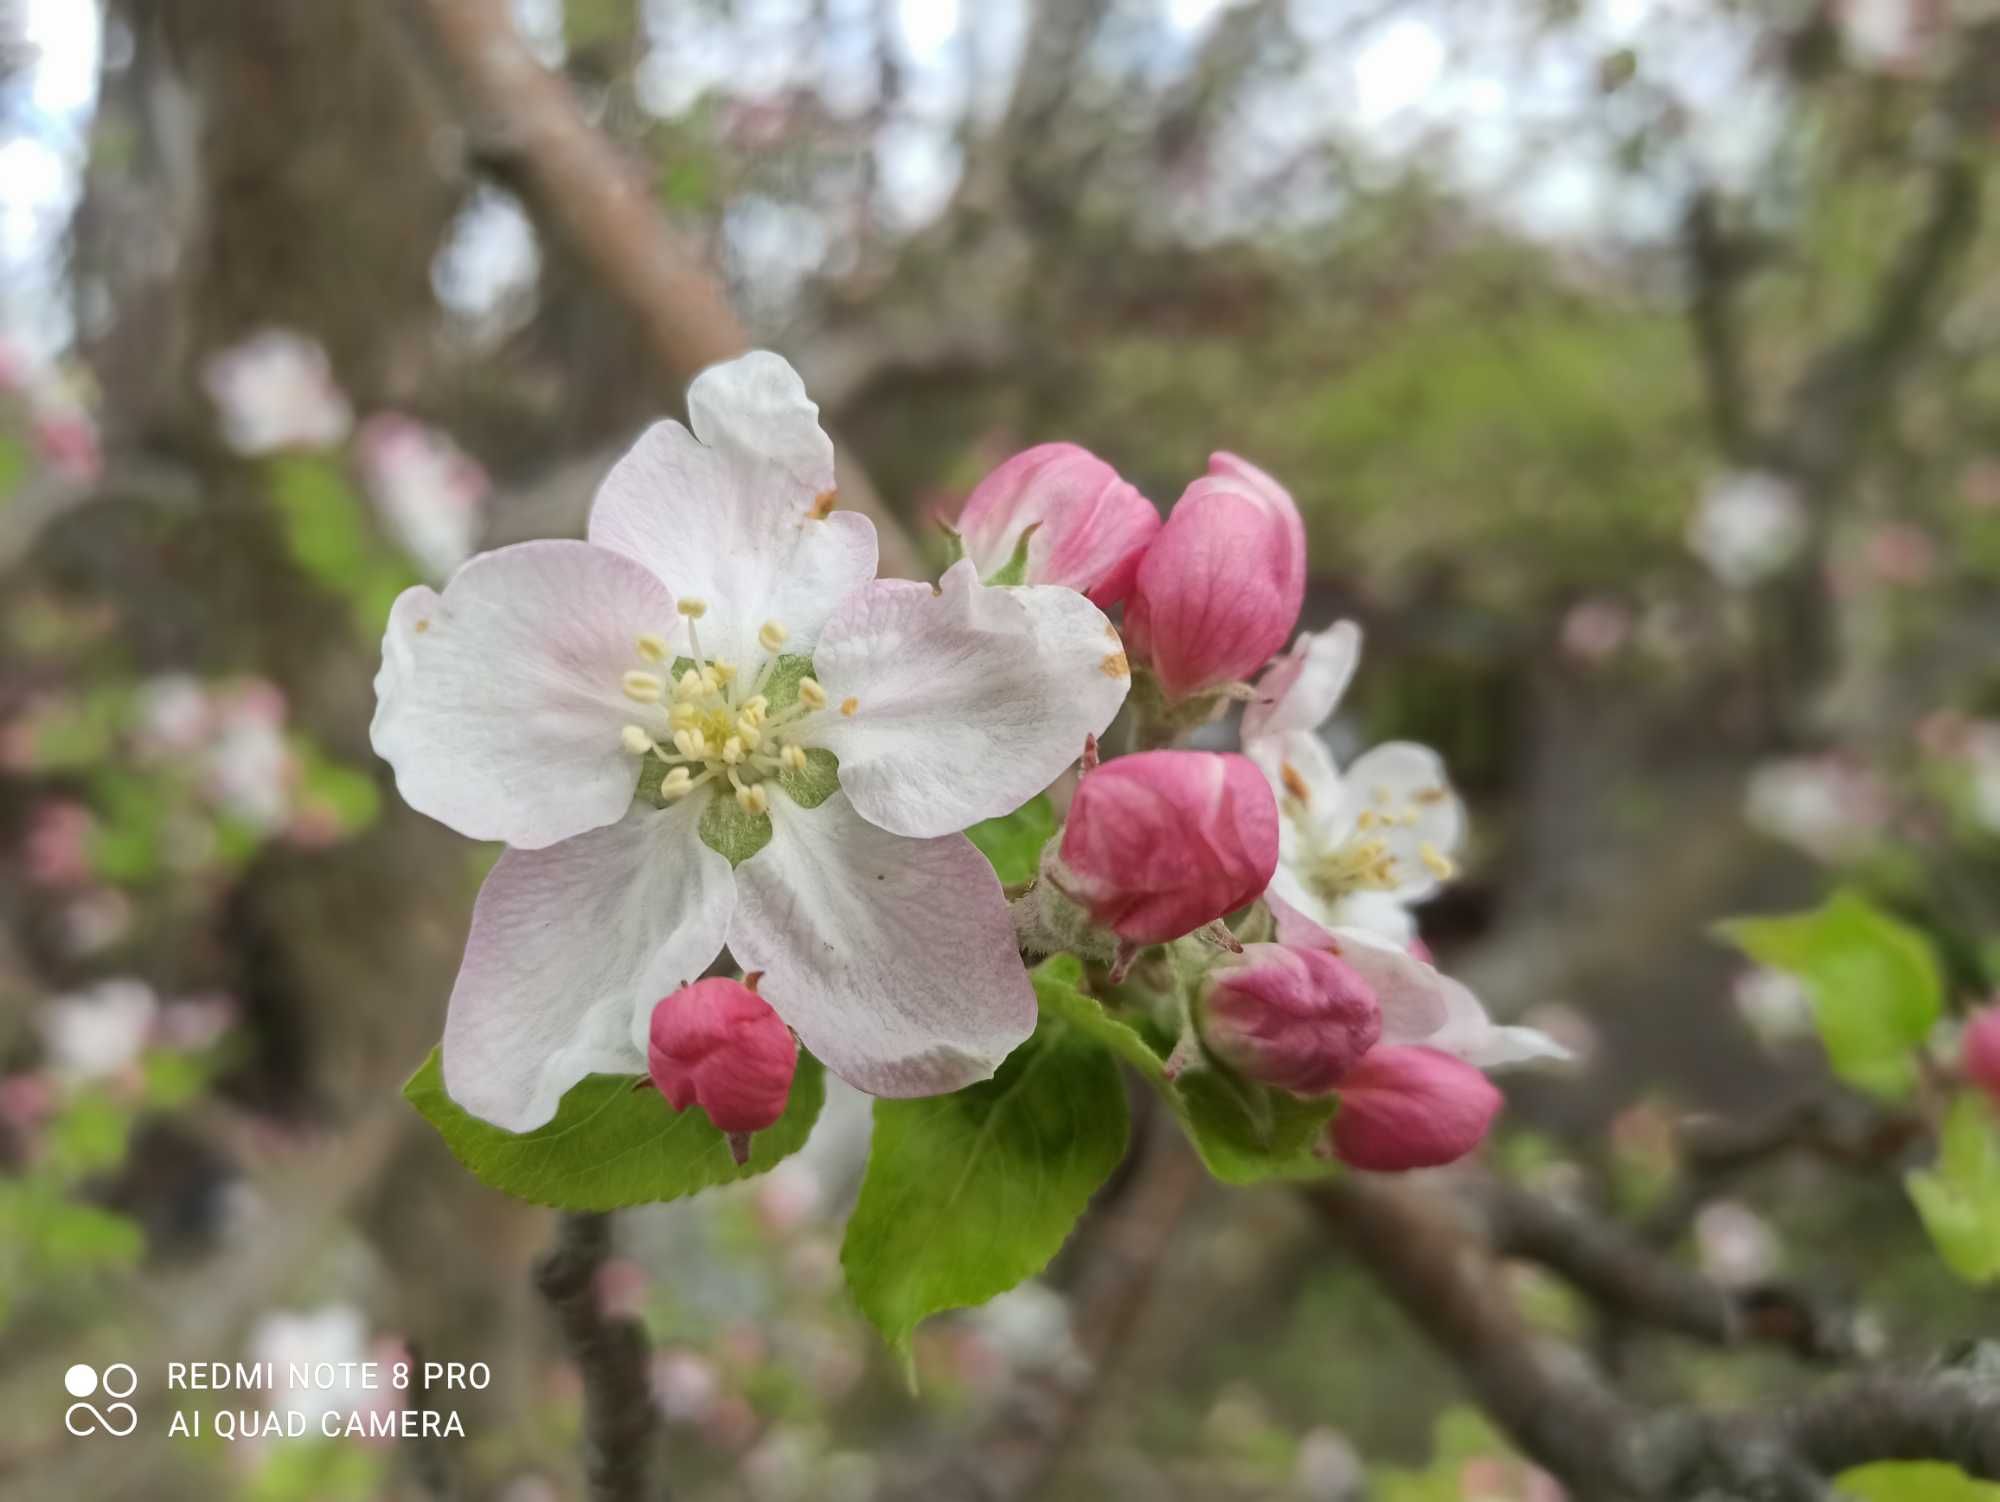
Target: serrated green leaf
(1959,1200)
(1013,842)
(1243,1134)
(612,1145)
(1874,983)
(1913,1481)
(968,1194)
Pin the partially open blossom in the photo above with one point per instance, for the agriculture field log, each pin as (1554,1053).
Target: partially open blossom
(1220,588)
(1160,843)
(718,1044)
(795,788)
(1090,526)
(1357,849)
(1297,1019)
(1979,1050)
(1412,1107)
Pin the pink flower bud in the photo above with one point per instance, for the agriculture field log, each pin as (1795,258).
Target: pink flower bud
(1979,1050)
(1411,1107)
(1219,590)
(718,1044)
(1160,843)
(1091,527)
(1297,1019)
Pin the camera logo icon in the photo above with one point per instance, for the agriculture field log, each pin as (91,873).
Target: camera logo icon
(117,1381)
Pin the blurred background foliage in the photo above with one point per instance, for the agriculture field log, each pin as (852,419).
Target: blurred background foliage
(1519,297)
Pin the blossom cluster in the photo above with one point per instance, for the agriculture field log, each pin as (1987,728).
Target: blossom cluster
(710,726)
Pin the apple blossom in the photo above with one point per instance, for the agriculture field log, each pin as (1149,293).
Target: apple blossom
(1420,1003)
(1090,528)
(709,724)
(1159,843)
(1358,848)
(1748,526)
(1297,1019)
(275,390)
(428,489)
(1979,1050)
(1220,588)
(717,1043)
(1411,1107)
(100,1032)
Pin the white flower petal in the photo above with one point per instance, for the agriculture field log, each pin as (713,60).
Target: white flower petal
(1422,821)
(499,700)
(570,948)
(1379,912)
(1301,690)
(1472,1036)
(893,959)
(968,700)
(1311,793)
(732,513)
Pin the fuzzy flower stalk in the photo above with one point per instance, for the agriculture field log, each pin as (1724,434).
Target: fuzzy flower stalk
(710,724)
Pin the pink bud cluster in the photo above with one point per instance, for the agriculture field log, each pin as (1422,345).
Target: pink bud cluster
(1209,596)
(1306,1021)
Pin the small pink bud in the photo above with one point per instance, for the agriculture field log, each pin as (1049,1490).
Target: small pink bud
(1979,1050)
(718,1044)
(1219,590)
(1091,527)
(1297,1019)
(1160,843)
(1411,1107)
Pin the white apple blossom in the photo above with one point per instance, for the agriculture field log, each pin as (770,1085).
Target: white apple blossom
(1748,526)
(710,724)
(427,488)
(275,390)
(312,1345)
(1355,849)
(100,1032)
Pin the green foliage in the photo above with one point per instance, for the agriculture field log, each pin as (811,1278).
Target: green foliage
(1462,1435)
(1913,1481)
(349,796)
(328,535)
(13,466)
(1013,842)
(1874,983)
(1959,1200)
(968,1194)
(614,1141)
(1245,1135)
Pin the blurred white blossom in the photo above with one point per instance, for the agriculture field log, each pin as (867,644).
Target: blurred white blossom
(428,490)
(1734,1244)
(1748,526)
(1828,808)
(100,1032)
(276,391)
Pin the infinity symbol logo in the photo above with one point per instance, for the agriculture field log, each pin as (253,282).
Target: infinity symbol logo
(118,1419)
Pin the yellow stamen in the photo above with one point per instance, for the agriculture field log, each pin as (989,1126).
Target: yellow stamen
(753,799)
(636,740)
(1436,861)
(849,705)
(643,688)
(675,784)
(732,751)
(811,694)
(693,609)
(653,646)
(772,636)
(691,744)
(793,756)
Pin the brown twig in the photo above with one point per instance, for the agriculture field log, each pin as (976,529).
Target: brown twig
(1431,1259)
(620,1429)
(530,130)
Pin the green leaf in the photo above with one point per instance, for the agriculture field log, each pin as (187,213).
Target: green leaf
(1913,1481)
(614,1141)
(1959,1200)
(13,466)
(1013,842)
(1243,1134)
(329,535)
(1874,983)
(968,1194)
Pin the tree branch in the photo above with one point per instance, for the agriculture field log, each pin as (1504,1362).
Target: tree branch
(619,1426)
(582,190)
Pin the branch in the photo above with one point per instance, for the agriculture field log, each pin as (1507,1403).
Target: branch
(584,192)
(1627,1276)
(1716,267)
(618,1418)
(1564,1415)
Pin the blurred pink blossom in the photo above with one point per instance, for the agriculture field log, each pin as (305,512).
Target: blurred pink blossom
(56,852)
(428,490)
(1594,630)
(275,391)
(1901,554)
